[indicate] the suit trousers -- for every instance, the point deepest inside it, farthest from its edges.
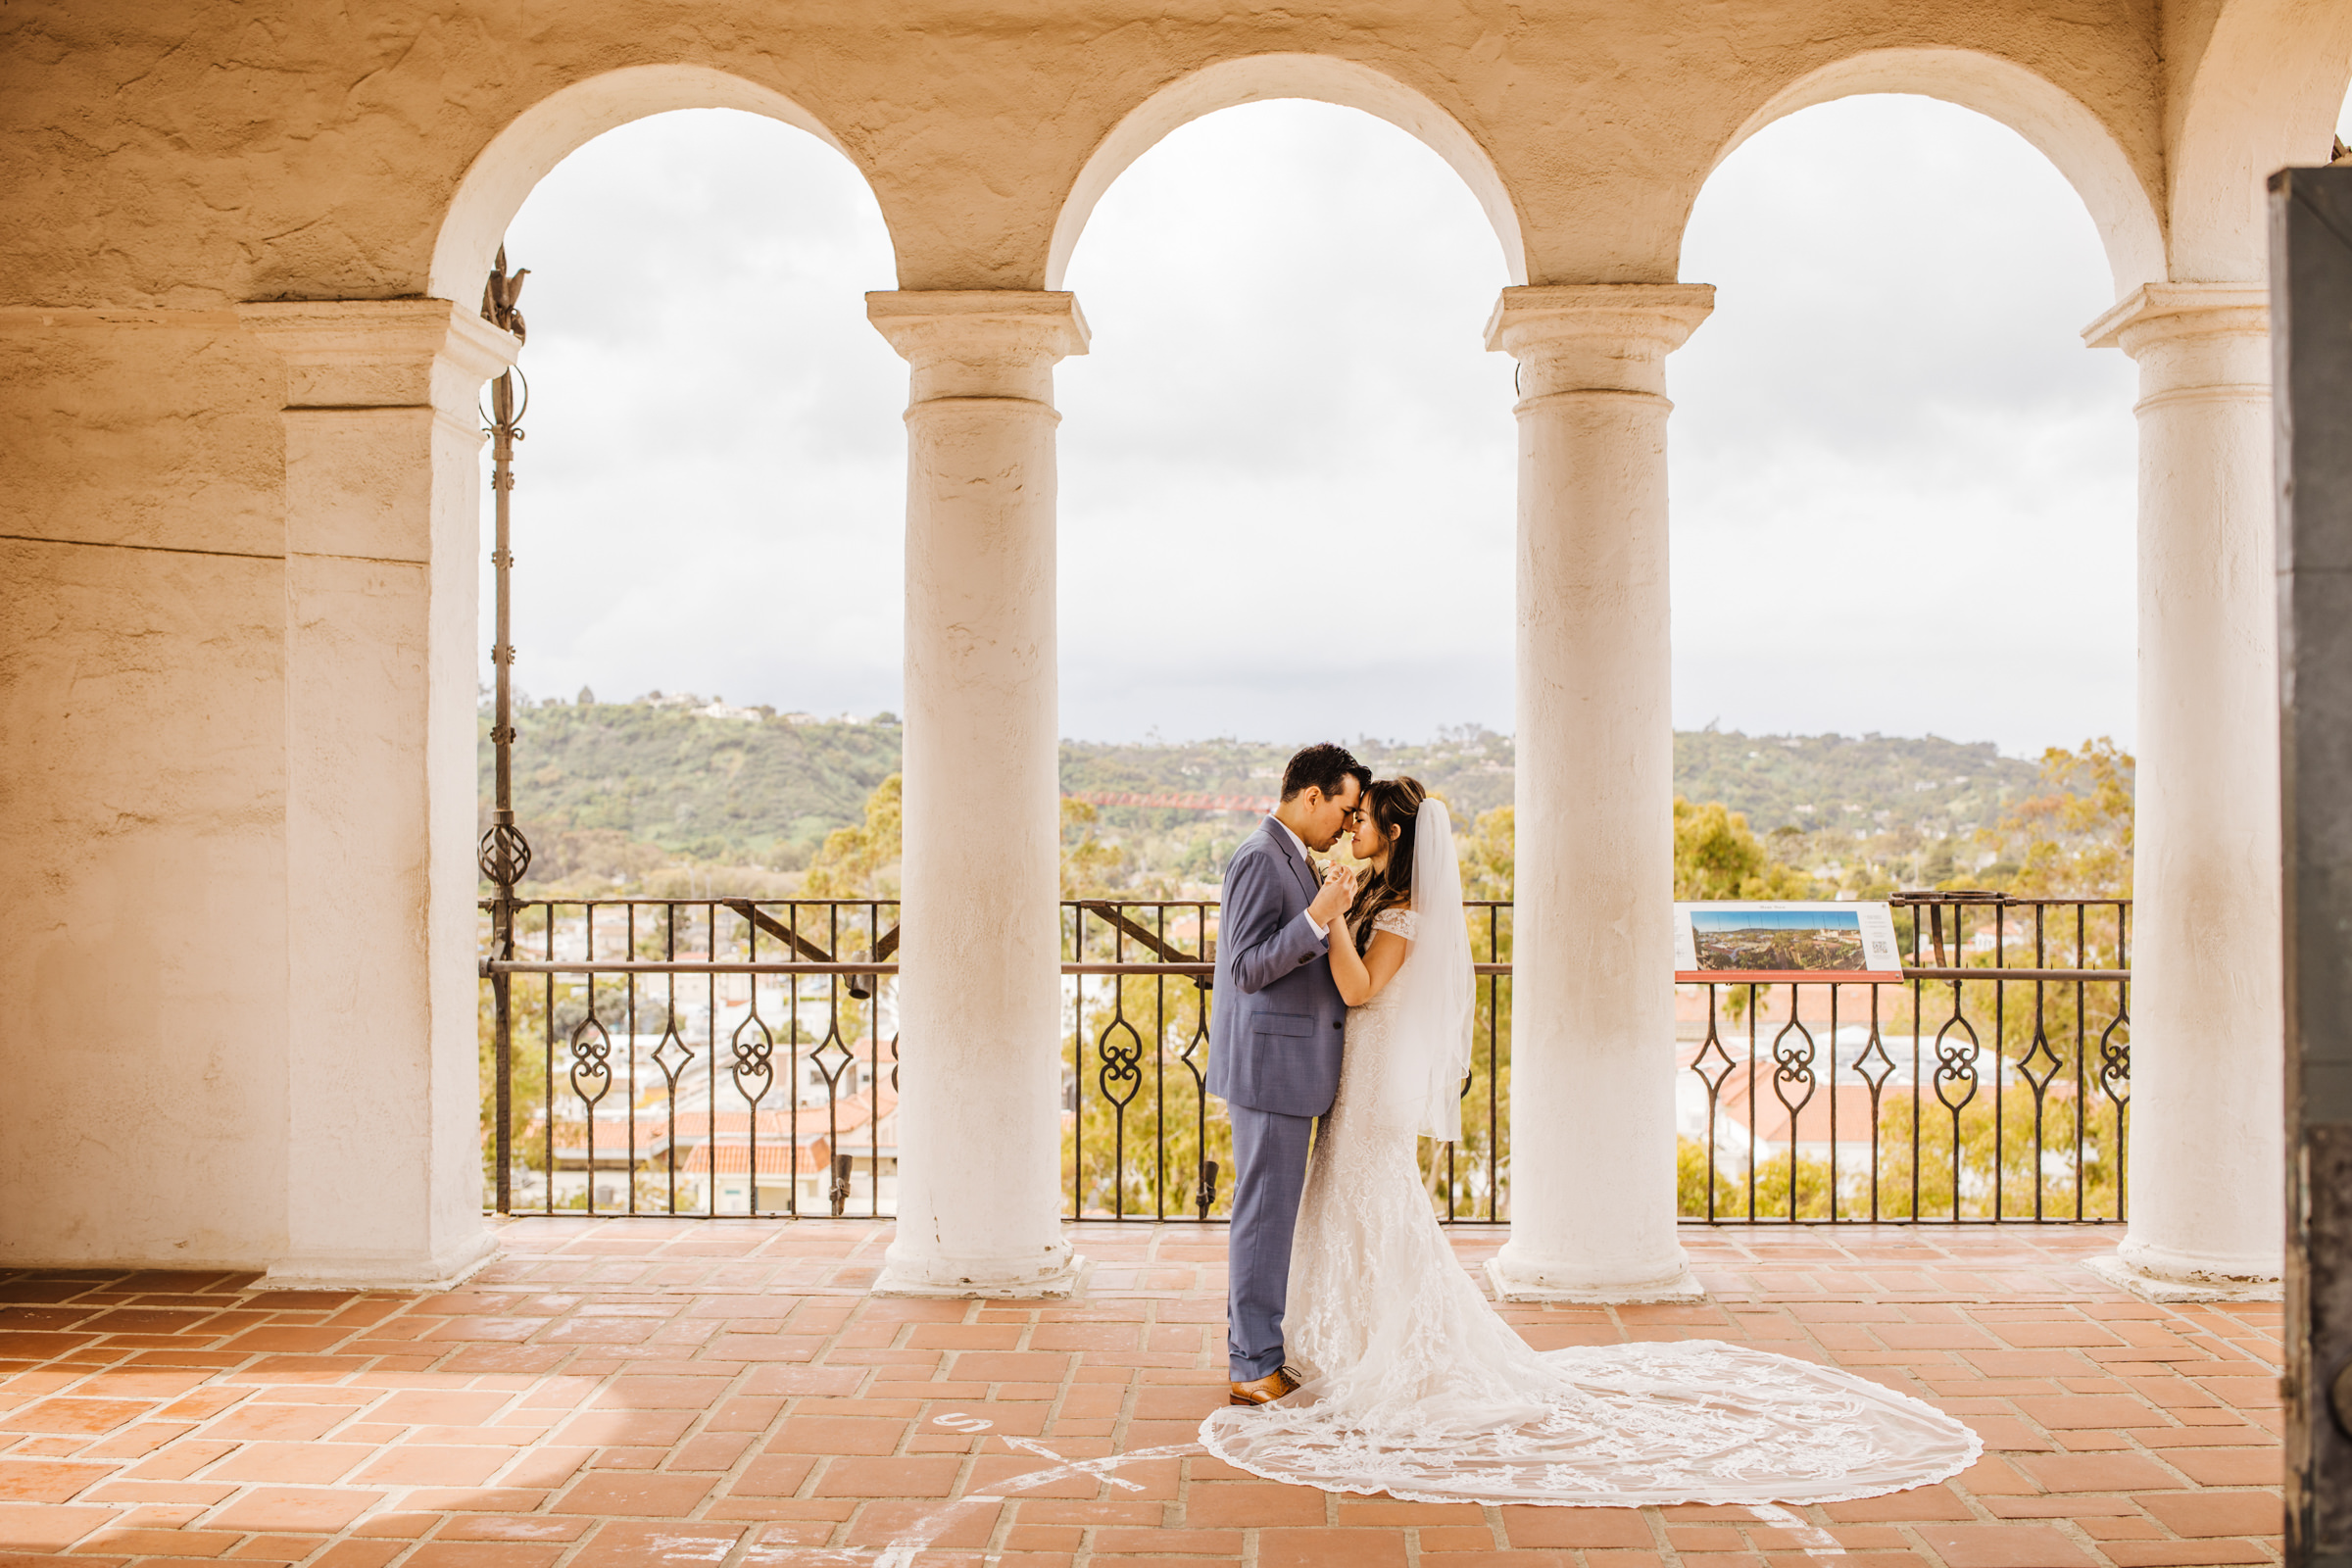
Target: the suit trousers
(1269, 1157)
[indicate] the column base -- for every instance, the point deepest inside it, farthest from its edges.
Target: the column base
(2168, 1280)
(1518, 1282)
(1055, 1281)
(377, 1271)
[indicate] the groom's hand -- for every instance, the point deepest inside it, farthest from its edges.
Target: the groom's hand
(1332, 898)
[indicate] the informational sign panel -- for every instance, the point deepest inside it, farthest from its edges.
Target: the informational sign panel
(1771, 941)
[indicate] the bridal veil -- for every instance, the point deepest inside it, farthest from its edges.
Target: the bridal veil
(1418, 1091)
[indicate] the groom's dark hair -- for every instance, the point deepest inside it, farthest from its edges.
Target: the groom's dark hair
(1323, 765)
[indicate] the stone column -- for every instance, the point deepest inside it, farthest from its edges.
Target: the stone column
(980, 987)
(383, 1159)
(1592, 1150)
(2206, 1139)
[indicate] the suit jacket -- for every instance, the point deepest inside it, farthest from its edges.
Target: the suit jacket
(1276, 1023)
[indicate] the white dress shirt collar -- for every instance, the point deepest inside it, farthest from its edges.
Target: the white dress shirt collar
(1305, 859)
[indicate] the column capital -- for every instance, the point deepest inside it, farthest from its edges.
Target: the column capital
(345, 354)
(1532, 315)
(930, 324)
(2155, 313)
(1596, 337)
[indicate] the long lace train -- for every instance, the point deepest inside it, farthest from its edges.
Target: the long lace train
(1414, 1387)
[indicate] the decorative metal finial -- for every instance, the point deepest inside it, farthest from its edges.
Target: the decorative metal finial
(500, 294)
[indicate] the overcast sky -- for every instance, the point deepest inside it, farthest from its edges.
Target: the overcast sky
(1902, 489)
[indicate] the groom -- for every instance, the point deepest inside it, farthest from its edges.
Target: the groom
(1274, 1039)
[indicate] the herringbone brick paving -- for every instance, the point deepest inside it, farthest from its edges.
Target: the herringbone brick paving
(652, 1391)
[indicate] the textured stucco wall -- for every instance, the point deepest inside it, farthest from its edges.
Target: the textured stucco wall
(201, 154)
(163, 162)
(142, 764)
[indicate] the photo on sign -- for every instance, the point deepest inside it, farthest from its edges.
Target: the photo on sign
(1777, 941)
(1813, 939)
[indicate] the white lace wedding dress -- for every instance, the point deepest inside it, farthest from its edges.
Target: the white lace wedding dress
(1415, 1387)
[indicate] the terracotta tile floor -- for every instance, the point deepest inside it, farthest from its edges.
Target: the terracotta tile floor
(667, 1392)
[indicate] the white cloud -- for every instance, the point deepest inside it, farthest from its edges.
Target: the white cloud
(711, 494)
(1902, 487)
(1287, 465)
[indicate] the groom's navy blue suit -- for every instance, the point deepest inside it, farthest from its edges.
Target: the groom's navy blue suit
(1275, 1033)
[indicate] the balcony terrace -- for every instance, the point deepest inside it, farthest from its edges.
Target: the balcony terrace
(246, 366)
(728, 1392)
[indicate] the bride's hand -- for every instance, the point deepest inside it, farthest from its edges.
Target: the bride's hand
(1332, 900)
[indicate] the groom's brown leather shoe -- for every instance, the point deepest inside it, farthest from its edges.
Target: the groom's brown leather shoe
(1266, 1390)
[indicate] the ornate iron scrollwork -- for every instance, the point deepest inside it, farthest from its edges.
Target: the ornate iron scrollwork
(831, 1066)
(2114, 1061)
(753, 1059)
(2040, 1079)
(503, 854)
(1793, 1065)
(1712, 1078)
(1714, 1081)
(672, 1039)
(1873, 1077)
(591, 1059)
(1956, 1061)
(1204, 1195)
(1121, 1065)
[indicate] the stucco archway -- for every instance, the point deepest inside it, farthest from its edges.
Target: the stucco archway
(543, 135)
(2264, 96)
(383, 621)
(1257, 77)
(2057, 124)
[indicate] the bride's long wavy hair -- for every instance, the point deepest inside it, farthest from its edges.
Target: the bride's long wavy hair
(1394, 805)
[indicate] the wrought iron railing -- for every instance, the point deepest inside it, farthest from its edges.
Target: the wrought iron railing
(1141, 1138)
(1992, 1084)
(699, 1056)
(716, 1057)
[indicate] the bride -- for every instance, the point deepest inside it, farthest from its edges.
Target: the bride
(1411, 1385)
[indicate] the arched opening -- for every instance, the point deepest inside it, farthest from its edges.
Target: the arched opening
(1904, 507)
(1288, 300)
(507, 171)
(1890, 410)
(1285, 516)
(1257, 78)
(712, 480)
(2058, 125)
(708, 531)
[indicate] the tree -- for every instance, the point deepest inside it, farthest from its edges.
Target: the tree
(1730, 1183)
(1717, 857)
(1487, 854)
(2073, 839)
(526, 1065)
(1095, 867)
(861, 861)
(2036, 1139)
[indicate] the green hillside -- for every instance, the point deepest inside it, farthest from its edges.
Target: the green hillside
(613, 791)
(1469, 765)
(1814, 782)
(729, 791)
